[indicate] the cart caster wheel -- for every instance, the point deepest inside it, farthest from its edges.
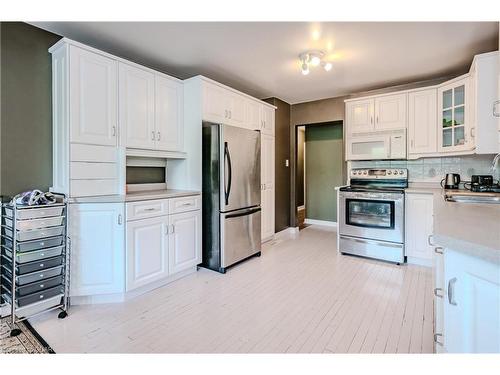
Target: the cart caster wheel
(62, 315)
(258, 254)
(15, 332)
(398, 264)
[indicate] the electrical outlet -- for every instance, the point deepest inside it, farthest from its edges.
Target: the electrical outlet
(287, 164)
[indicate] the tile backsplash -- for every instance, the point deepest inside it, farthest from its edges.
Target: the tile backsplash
(434, 169)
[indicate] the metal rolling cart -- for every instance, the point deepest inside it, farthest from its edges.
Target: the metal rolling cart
(35, 259)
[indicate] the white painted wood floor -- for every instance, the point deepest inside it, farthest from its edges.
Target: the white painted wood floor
(301, 296)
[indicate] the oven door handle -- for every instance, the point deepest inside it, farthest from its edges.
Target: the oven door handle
(372, 242)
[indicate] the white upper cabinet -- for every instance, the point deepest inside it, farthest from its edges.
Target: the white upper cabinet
(422, 122)
(236, 109)
(253, 115)
(267, 120)
(215, 103)
(168, 114)
(453, 116)
(93, 98)
(137, 105)
(390, 112)
(360, 116)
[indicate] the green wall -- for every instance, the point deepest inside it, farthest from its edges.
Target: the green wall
(324, 163)
(26, 107)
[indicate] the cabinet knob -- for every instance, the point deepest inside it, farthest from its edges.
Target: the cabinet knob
(120, 219)
(495, 113)
(436, 292)
(114, 131)
(438, 250)
(436, 336)
(159, 136)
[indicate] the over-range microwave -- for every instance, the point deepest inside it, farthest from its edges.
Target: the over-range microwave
(382, 146)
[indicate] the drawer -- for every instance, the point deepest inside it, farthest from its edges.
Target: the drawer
(40, 296)
(92, 153)
(146, 209)
(93, 171)
(40, 306)
(38, 265)
(33, 287)
(184, 204)
(89, 188)
(36, 223)
(35, 234)
(35, 213)
(34, 245)
(34, 276)
(32, 256)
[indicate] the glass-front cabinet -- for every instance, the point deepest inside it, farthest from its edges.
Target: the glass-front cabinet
(453, 116)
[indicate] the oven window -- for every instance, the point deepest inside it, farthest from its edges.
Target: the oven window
(370, 213)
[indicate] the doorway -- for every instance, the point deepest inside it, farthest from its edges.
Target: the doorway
(319, 159)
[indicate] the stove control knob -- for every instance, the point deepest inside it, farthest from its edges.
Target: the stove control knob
(389, 172)
(365, 172)
(401, 172)
(354, 172)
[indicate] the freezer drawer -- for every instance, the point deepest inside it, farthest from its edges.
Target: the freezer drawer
(240, 235)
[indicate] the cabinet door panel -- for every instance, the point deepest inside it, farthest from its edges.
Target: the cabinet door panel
(422, 125)
(97, 249)
(147, 251)
(253, 115)
(390, 112)
(215, 105)
(419, 225)
(185, 241)
(137, 91)
(168, 114)
(359, 116)
(93, 98)
(267, 181)
(236, 107)
(268, 120)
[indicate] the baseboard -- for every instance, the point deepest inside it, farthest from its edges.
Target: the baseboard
(324, 223)
(287, 232)
(420, 262)
(122, 297)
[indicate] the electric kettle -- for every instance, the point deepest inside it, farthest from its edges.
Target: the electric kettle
(451, 181)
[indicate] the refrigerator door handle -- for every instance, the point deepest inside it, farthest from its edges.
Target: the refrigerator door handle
(245, 213)
(227, 156)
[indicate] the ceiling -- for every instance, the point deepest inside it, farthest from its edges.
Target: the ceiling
(261, 58)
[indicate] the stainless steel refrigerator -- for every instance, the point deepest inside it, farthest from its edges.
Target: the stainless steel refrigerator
(231, 195)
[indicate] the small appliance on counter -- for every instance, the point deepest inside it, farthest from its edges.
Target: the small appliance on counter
(483, 184)
(451, 181)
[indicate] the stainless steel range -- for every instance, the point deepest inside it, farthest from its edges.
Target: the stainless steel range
(371, 214)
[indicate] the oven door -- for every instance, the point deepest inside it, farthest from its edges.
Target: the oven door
(378, 216)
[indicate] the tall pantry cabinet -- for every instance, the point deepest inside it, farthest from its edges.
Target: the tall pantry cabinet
(221, 104)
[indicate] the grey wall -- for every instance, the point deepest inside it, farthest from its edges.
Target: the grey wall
(282, 172)
(301, 139)
(26, 106)
(324, 170)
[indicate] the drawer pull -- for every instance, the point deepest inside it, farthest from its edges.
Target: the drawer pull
(187, 204)
(438, 250)
(451, 291)
(41, 296)
(42, 285)
(41, 264)
(150, 209)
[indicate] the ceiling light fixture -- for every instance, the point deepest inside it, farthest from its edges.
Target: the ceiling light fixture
(313, 58)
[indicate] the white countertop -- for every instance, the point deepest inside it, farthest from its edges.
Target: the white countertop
(136, 196)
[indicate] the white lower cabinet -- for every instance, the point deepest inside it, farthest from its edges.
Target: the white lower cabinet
(419, 224)
(147, 251)
(471, 304)
(97, 248)
(184, 241)
(163, 244)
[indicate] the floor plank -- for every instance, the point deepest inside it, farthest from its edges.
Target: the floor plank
(299, 296)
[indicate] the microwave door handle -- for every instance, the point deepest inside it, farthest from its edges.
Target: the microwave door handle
(227, 156)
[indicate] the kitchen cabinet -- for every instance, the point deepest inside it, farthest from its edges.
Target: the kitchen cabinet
(267, 186)
(454, 132)
(359, 114)
(422, 123)
(223, 106)
(390, 112)
(96, 234)
(471, 303)
(147, 251)
(419, 226)
(267, 120)
(253, 115)
(168, 114)
(137, 106)
(93, 101)
(438, 293)
(380, 113)
(184, 241)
